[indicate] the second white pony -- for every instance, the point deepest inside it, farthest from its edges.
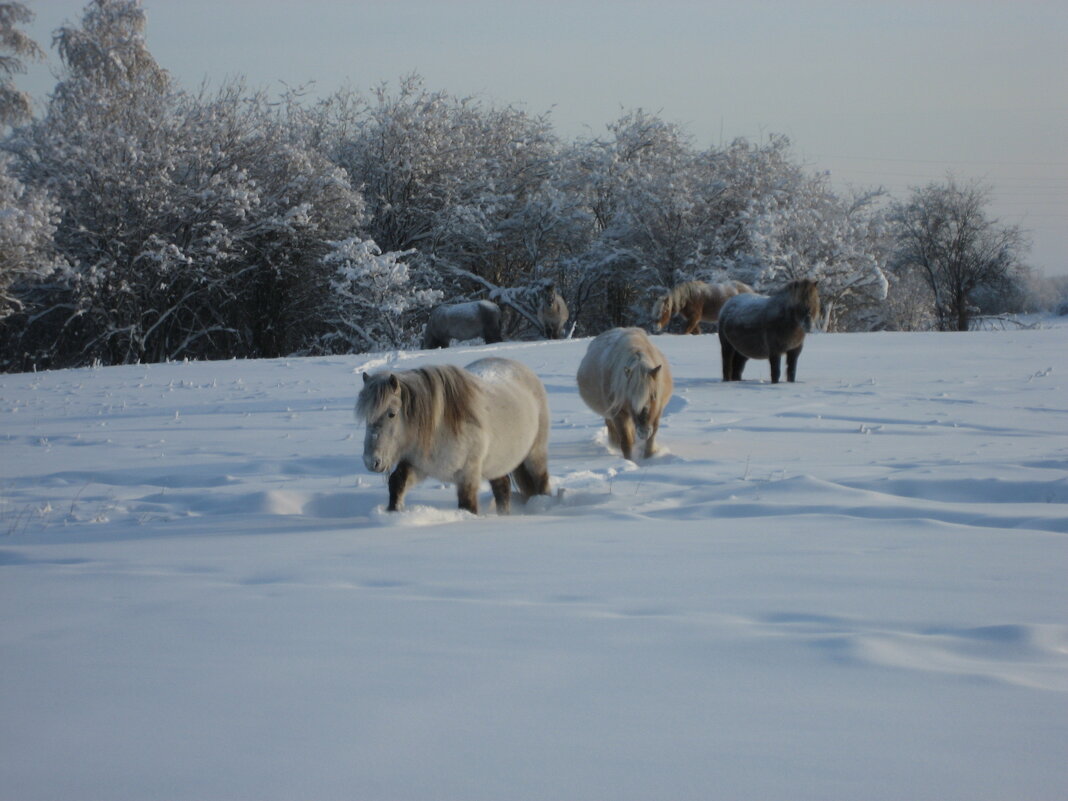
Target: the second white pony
(626, 379)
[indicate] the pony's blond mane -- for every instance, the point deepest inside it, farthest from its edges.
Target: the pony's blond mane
(430, 397)
(630, 380)
(678, 296)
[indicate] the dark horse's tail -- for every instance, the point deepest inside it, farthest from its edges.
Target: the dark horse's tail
(491, 324)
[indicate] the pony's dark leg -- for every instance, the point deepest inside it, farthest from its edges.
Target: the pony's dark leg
(613, 433)
(467, 495)
(776, 366)
(491, 327)
(625, 428)
(726, 351)
(502, 494)
(650, 442)
(791, 363)
(532, 478)
(737, 365)
(693, 320)
(399, 481)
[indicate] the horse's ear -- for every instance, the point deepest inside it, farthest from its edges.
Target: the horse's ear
(655, 371)
(366, 377)
(394, 384)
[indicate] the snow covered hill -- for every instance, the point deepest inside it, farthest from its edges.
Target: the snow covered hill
(851, 587)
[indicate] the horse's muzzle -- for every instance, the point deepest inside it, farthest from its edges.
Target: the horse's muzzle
(375, 464)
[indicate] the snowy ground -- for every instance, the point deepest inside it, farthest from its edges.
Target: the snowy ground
(852, 587)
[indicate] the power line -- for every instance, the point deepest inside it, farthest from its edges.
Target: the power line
(943, 161)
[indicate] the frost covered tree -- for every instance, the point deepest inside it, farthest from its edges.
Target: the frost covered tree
(665, 213)
(192, 224)
(636, 185)
(15, 48)
(374, 296)
(840, 242)
(451, 178)
(945, 233)
(108, 49)
(27, 225)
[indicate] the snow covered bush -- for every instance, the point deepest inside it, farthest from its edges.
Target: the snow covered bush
(459, 182)
(373, 298)
(27, 225)
(664, 213)
(192, 224)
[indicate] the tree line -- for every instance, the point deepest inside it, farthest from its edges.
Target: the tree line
(141, 221)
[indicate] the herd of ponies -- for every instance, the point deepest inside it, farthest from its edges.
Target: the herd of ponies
(490, 419)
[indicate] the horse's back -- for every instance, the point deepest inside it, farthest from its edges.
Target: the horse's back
(507, 374)
(741, 322)
(609, 352)
(476, 318)
(743, 309)
(515, 413)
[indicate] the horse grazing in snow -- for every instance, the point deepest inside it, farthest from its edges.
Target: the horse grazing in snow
(626, 379)
(697, 301)
(766, 327)
(552, 313)
(489, 420)
(477, 318)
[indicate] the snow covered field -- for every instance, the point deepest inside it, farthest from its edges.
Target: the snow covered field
(852, 587)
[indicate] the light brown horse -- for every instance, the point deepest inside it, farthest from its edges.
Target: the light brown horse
(766, 327)
(626, 379)
(552, 313)
(697, 301)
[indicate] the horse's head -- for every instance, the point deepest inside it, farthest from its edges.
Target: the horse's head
(643, 385)
(807, 295)
(381, 408)
(661, 312)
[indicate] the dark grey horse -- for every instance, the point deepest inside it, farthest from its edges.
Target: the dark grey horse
(766, 327)
(478, 318)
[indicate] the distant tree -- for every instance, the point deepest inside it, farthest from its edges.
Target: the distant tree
(108, 49)
(943, 231)
(909, 302)
(840, 242)
(15, 48)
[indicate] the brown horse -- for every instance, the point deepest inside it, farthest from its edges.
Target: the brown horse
(766, 327)
(697, 301)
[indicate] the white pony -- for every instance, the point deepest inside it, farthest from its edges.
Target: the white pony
(627, 380)
(489, 420)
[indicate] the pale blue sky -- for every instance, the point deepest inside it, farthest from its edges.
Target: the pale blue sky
(890, 93)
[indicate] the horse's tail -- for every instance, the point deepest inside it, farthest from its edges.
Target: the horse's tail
(490, 317)
(741, 287)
